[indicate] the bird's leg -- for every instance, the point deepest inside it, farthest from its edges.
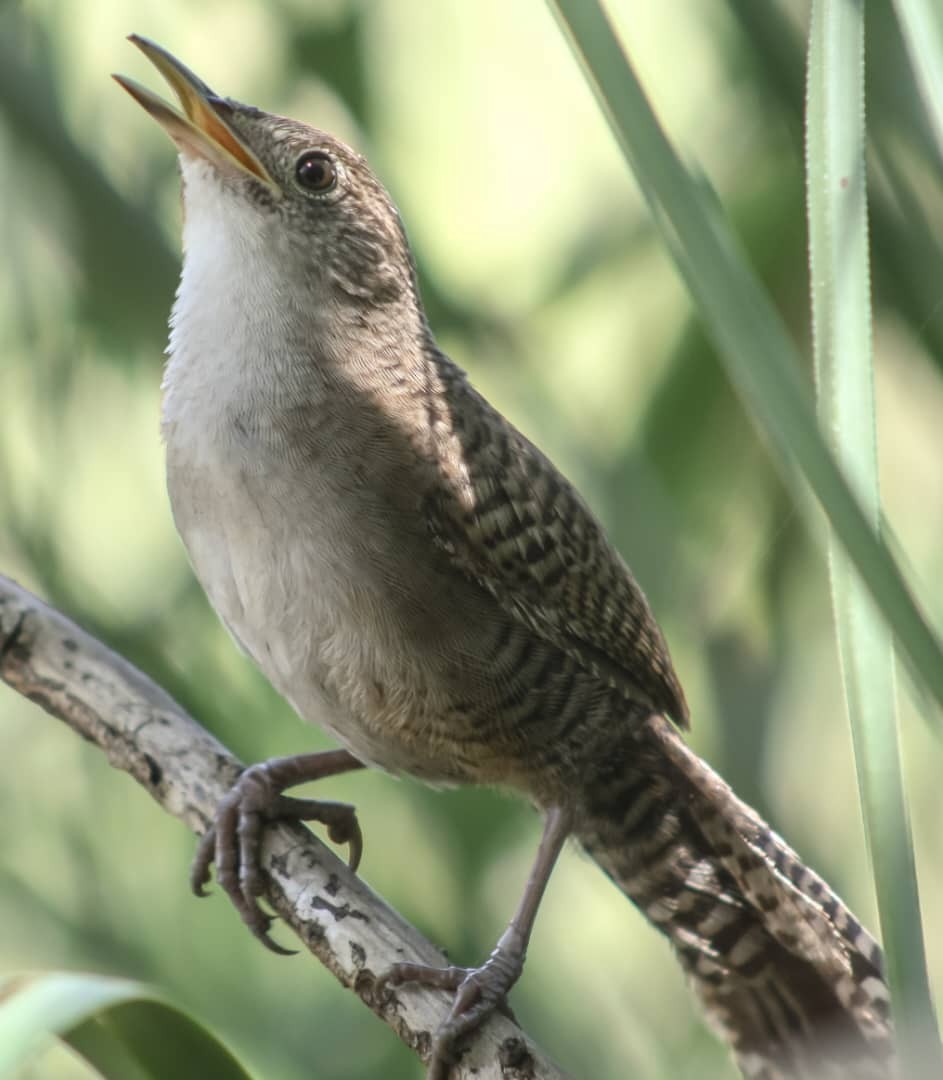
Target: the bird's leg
(234, 839)
(481, 991)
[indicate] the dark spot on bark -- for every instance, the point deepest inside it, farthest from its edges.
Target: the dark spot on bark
(280, 863)
(68, 643)
(882, 1008)
(358, 954)
(314, 934)
(154, 772)
(332, 888)
(339, 911)
(8, 647)
(514, 1055)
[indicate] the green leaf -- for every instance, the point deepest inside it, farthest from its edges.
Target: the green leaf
(921, 22)
(841, 308)
(761, 360)
(124, 1029)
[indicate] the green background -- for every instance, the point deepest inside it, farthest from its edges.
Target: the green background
(544, 280)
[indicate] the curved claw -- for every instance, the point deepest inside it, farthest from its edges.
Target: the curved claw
(478, 993)
(340, 819)
(234, 840)
(351, 835)
(259, 923)
(202, 861)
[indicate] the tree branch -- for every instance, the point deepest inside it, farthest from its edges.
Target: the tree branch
(143, 731)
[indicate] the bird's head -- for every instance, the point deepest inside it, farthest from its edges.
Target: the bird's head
(298, 197)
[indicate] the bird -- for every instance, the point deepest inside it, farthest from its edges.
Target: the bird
(415, 576)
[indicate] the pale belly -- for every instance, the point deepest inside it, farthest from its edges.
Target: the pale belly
(332, 611)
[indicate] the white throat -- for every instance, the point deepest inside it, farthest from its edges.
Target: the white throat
(231, 349)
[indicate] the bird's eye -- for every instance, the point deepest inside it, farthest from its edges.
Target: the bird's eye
(315, 171)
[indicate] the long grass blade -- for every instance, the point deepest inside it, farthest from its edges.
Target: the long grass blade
(841, 309)
(761, 360)
(921, 22)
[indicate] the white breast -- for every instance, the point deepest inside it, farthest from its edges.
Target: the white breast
(284, 558)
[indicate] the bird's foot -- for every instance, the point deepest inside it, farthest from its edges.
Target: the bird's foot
(234, 840)
(479, 992)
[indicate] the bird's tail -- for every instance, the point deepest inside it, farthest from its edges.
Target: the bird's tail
(785, 972)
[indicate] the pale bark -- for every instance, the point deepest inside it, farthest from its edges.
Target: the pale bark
(143, 731)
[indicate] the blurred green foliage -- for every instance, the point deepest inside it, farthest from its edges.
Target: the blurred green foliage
(543, 279)
(119, 1028)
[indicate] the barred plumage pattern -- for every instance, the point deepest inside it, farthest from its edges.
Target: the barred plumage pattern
(413, 574)
(510, 520)
(784, 971)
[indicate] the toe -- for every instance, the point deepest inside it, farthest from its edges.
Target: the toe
(350, 834)
(440, 1061)
(202, 861)
(260, 922)
(447, 978)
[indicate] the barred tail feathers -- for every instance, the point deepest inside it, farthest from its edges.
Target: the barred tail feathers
(784, 971)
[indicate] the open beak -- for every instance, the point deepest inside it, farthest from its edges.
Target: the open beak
(203, 131)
